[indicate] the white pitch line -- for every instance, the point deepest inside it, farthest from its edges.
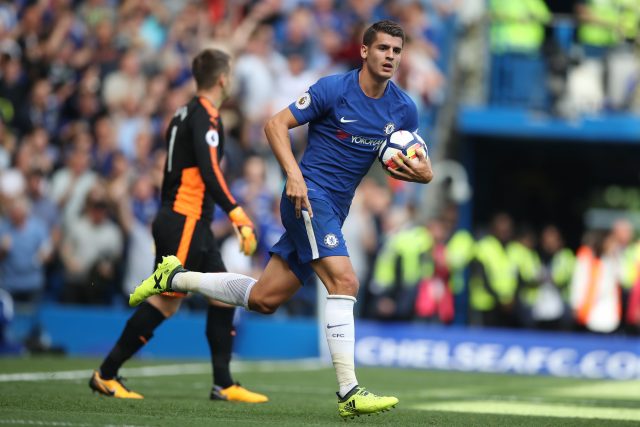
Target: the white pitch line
(57, 423)
(169, 370)
(564, 410)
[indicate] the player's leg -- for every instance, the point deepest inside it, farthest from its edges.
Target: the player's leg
(338, 276)
(219, 326)
(220, 334)
(136, 333)
(170, 232)
(280, 280)
(277, 284)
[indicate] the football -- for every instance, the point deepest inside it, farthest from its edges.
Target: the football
(400, 141)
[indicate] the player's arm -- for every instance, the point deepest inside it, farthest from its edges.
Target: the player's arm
(277, 131)
(206, 141)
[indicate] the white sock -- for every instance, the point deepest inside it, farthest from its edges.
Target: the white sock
(340, 333)
(230, 288)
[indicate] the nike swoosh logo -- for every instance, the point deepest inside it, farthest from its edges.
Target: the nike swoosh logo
(335, 326)
(343, 120)
(106, 389)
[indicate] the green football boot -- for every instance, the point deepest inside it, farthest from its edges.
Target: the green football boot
(362, 402)
(158, 282)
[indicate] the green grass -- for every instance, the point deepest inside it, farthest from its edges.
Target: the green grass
(303, 395)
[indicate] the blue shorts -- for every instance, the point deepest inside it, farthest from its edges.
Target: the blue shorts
(306, 239)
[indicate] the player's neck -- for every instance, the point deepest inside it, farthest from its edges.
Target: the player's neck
(371, 86)
(213, 95)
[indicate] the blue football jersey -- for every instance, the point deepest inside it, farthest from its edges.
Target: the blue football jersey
(346, 128)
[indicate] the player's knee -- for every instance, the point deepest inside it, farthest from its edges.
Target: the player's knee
(263, 305)
(345, 284)
(263, 308)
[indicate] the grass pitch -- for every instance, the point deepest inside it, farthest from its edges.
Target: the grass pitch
(54, 392)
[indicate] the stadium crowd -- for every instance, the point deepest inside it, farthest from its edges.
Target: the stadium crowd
(88, 87)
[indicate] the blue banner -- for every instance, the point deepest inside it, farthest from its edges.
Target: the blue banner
(498, 351)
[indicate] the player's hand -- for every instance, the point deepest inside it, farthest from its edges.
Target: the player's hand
(243, 226)
(413, 170)
(296, 191)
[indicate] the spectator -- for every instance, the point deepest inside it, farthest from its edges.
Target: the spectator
(594, 292)
(493, 281)
(517, 33)
(434, 301)
(399, 269)
(105, 147)
(526, 262)
(43, 155)
(25, 246)
(551, 309)
(625, 253)
(44, 107)
(14, 90)
(142, 208)
(70, 185)
(599, 26)
(471, 46)
(42, 206)
(91, 249)
(105, 50)
(128, 84)
(256, 70)
(12, 181)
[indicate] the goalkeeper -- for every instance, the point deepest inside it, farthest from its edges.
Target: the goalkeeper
(192, 185)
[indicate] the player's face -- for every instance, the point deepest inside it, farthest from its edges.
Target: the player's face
(383, 56)
(225, 85)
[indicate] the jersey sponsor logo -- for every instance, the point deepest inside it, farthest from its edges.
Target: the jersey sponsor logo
(330, 240)
(363, 140)
(304, 101)
(343, 120)
(212, 138)
(389, 128)
(374, 143)
(342, 134)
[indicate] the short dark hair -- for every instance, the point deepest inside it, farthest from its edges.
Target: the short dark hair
(208, 65)
(387, 27)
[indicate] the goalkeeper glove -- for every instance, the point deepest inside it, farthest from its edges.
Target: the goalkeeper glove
(244, 230)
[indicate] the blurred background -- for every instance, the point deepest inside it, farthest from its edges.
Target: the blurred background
(530, 110)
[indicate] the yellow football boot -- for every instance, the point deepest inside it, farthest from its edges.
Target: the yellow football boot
(237, 393)
(159, 282)
(112, 387)
(362, 402)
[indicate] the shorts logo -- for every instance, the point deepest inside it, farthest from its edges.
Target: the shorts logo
(330, 240)
(304, 101)
(389, 128)
(212, 138)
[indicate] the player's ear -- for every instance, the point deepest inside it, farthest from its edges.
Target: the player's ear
(364, 51)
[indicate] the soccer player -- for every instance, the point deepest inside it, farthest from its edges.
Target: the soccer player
(192, 185)
(349, 116)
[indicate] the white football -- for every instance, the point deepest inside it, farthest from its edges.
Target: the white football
(402, 141)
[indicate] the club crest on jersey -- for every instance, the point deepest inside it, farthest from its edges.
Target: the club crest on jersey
(304, 101)
(212, 138)
(330, 240)
(389, 128)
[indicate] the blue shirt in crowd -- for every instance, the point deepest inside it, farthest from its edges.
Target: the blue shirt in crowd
(21, 270)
